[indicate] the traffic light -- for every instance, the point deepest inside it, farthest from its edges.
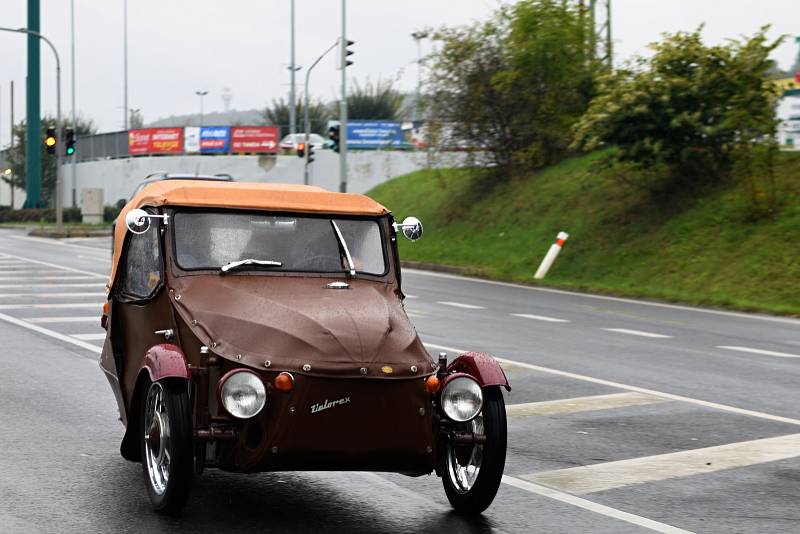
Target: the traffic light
(301, 150)
(333, 135)
(344, 53)
(69, 142)
(310, 154)
(50, 140)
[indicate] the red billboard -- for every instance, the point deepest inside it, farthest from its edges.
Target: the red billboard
(155, 141)
(262, 139)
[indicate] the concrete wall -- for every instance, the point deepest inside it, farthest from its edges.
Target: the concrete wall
(118, 177)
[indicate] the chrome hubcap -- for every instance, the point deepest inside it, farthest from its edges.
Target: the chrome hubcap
(156, 439)
(464, 475)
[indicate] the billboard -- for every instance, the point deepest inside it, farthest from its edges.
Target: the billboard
(374, 134)
(214, 139)
(262, 139)
(191, 139)
(155, 141)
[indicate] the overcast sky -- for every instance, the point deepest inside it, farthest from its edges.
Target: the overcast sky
(179, 46)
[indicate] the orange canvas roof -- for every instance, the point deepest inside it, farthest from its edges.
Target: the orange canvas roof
(241, 195)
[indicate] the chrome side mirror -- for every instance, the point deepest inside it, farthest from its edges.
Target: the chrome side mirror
(411, 227)
(138, 220)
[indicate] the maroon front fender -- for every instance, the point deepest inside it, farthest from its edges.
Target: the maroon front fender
(165, 361)
(483, 367)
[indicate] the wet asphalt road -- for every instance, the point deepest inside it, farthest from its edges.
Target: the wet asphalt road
(675, 418)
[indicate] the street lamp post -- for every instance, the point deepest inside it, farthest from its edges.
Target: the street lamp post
(306, 121)
(74, 128)
(59, 123)
(418, 36)
(343, 106)
(201, 94)
(293, 69)
(125, 62)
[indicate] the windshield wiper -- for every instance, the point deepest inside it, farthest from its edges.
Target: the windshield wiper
(344, 248)
(249, 261)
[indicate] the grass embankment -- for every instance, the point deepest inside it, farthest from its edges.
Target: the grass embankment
(700, 250)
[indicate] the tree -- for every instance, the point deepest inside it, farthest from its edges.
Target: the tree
(16, 156)
(278, 115)
(515, 85)
(687, 109)
(136, 119)
(379, 101)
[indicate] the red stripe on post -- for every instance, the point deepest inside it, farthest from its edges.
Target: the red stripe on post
(560, 242)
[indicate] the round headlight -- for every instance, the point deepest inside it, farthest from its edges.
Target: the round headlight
(243, 394)
(462, 399)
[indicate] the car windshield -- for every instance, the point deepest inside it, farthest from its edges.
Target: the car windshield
(211, 240)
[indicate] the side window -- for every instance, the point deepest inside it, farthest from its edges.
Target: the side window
(141, 274)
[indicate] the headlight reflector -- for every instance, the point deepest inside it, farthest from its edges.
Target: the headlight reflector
(462, 399)
(243, 394)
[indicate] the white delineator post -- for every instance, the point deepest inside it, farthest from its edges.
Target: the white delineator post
(551, 255)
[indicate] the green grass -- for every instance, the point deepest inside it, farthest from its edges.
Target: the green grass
(700, 250)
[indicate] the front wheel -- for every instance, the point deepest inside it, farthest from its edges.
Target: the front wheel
(166, 444)
(472, 473)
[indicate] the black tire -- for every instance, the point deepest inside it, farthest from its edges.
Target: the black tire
(166, 444)
(481, 493)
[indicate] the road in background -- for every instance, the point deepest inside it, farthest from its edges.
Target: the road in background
(624, 416)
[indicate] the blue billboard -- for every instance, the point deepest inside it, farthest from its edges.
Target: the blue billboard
(214, 139)
(374, 134)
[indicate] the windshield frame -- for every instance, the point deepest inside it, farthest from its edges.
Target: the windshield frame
(179, 270)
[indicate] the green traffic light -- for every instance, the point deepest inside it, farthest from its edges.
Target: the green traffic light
(70, 151)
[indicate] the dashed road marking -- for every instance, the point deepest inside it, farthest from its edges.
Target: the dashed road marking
(597, 508)
(95, 305)
(89, 337)
(610, 475)
(412, 297)
(61, 268)
(51, 295)
(760, 351)
(50, 285)
(462, 305)
(636, 333)
(583, 404)
(44, 320)
(619, 385)
(540, 318)
(51, 333)
(22, 279)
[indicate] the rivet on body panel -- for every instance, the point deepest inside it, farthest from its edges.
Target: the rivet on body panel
(178, 296)
(213, 344)
(194, 322)
(267, 363)
(238, 356)
(306, 367)
(429, 449)
(414, 369)
(422, 411)
(291, 410)
(275, 450)
(363, 370)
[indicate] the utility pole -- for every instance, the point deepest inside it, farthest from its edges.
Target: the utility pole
(201, 94)
(306, 121)
(418, 37)
(293, 70)
(125, 62)
(33, 157)
(74, 127)
(343, 106)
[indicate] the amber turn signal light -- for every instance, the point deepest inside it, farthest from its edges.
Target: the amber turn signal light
(432, 384)
(284, 382)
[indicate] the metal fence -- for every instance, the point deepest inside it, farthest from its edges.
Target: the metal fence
(102, 146)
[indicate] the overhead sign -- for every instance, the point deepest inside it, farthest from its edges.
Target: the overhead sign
(214, 139)
(260, 139)
(155, 141)
(374, 134)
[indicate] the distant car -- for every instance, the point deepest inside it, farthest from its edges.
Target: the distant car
(291, 141)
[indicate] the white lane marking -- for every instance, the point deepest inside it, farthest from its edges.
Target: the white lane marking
(414, 315)
(96, 305)
(583, 404)
(540, 318)
(51, 333)
(462, 305)
(51, 295)
(412, 297)
(785, 320)
(760, 351)
(623, 473)
(49, 241)
(636, 333)
(618, 385)
(50, 285)
(89, 337)
(592, 506)
(28, 271)
(61, 267)
(38, 278)
(44, 320)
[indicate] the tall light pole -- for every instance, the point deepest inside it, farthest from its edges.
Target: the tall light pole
(343, 105)
(418, 37)
(59, 123)
(293, 70)
(201, 94)
(125, 62)
(72, 67)
(306, 121)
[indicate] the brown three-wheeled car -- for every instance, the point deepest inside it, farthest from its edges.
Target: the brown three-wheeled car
(256, 327)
